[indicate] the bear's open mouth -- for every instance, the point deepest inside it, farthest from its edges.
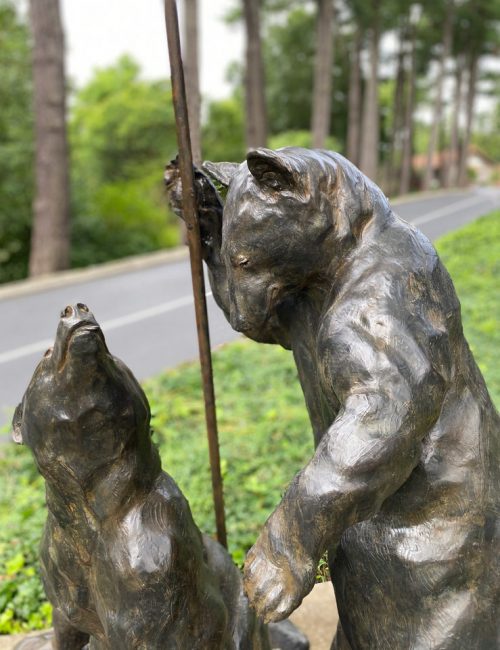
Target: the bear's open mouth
(80, 329)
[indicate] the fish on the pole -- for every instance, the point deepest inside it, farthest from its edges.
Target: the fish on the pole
(190, 215)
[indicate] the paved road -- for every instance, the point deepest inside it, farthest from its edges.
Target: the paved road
(147, 315)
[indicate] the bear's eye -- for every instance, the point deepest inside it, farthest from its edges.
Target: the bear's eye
(242, 261)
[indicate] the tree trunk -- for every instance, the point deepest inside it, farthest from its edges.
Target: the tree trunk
(354, 100)
(438, 101)
(192, 75)
(469, 116)
(451, 169)
(395, 145)
(322, 93)
(256, 119)
(50, 233)
(406, 161)
(370, 129)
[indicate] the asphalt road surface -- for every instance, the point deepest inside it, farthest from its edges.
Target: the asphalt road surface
(147, 315)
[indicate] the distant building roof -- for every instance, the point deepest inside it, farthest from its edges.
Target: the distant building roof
(439, 158)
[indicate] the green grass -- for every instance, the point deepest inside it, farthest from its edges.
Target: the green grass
(264, 431)
(472, 257)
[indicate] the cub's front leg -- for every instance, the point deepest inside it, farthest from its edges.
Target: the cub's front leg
(388, 403)
(278, 574)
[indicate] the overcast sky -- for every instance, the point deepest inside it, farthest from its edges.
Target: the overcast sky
(99, 31)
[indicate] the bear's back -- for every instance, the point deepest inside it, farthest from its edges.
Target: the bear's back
(397, 289)
(431, 551)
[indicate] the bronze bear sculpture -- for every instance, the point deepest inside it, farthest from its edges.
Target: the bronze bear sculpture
(122, 560)
(403, 488)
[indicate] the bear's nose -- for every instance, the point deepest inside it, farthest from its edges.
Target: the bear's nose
(80, 310)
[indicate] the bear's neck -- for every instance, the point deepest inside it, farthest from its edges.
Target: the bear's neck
(113, 489)
(302, 317)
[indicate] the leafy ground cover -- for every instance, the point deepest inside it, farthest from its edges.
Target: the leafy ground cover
(264, 431)
(472, 257)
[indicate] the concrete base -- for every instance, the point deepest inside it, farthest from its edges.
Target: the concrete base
(31, 641)
(317, 617)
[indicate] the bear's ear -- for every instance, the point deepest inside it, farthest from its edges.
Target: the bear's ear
(269, 168)
(223, 172)
(17, 421)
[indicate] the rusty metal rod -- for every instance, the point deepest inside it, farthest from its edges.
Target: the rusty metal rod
(190, 214)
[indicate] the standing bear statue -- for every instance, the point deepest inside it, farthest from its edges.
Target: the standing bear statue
(403, 487)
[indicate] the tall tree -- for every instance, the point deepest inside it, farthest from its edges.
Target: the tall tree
(289, 59)
(322, 92)
(191, 70)
(450, 177)
(472, 70)
(370, 122)
(408, 127)
(480, 20)
(255, 102)
(354, 98)
(50, 235)
(396, 141)
(438, 100)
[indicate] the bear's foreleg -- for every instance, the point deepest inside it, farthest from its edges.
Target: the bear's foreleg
(365, 456)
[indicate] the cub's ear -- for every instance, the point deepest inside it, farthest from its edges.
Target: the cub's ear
(271, 169)
(223, 172)
(17, 421)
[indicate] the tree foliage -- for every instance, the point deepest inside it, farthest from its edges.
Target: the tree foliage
(224, 134)
(289, 58)
(121, 133)
(122, 126)
(16, 144)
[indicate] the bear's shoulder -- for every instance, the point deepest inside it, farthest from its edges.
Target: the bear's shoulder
(154, 530)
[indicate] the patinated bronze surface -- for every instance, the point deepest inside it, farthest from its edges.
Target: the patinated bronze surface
(123, 562)
(403, 488)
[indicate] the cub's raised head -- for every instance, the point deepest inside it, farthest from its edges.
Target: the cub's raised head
(82, 407)
(289, 215)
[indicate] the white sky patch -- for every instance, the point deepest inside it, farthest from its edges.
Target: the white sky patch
(98, 32)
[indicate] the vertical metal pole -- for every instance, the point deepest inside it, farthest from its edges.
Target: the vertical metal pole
(193, 235)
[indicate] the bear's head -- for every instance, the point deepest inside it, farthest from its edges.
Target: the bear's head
(290, 217)
(83, 409)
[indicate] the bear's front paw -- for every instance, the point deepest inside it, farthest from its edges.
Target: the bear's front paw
(274, 588)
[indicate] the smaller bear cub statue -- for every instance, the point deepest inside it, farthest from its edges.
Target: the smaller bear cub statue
(123, 563)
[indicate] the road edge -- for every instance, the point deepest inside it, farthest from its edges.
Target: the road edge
(139, 262)
(95, 272)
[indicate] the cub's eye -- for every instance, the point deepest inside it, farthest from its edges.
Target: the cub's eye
(241, 261)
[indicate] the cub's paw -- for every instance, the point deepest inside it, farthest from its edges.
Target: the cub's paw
(173, 185)
(275, 588)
